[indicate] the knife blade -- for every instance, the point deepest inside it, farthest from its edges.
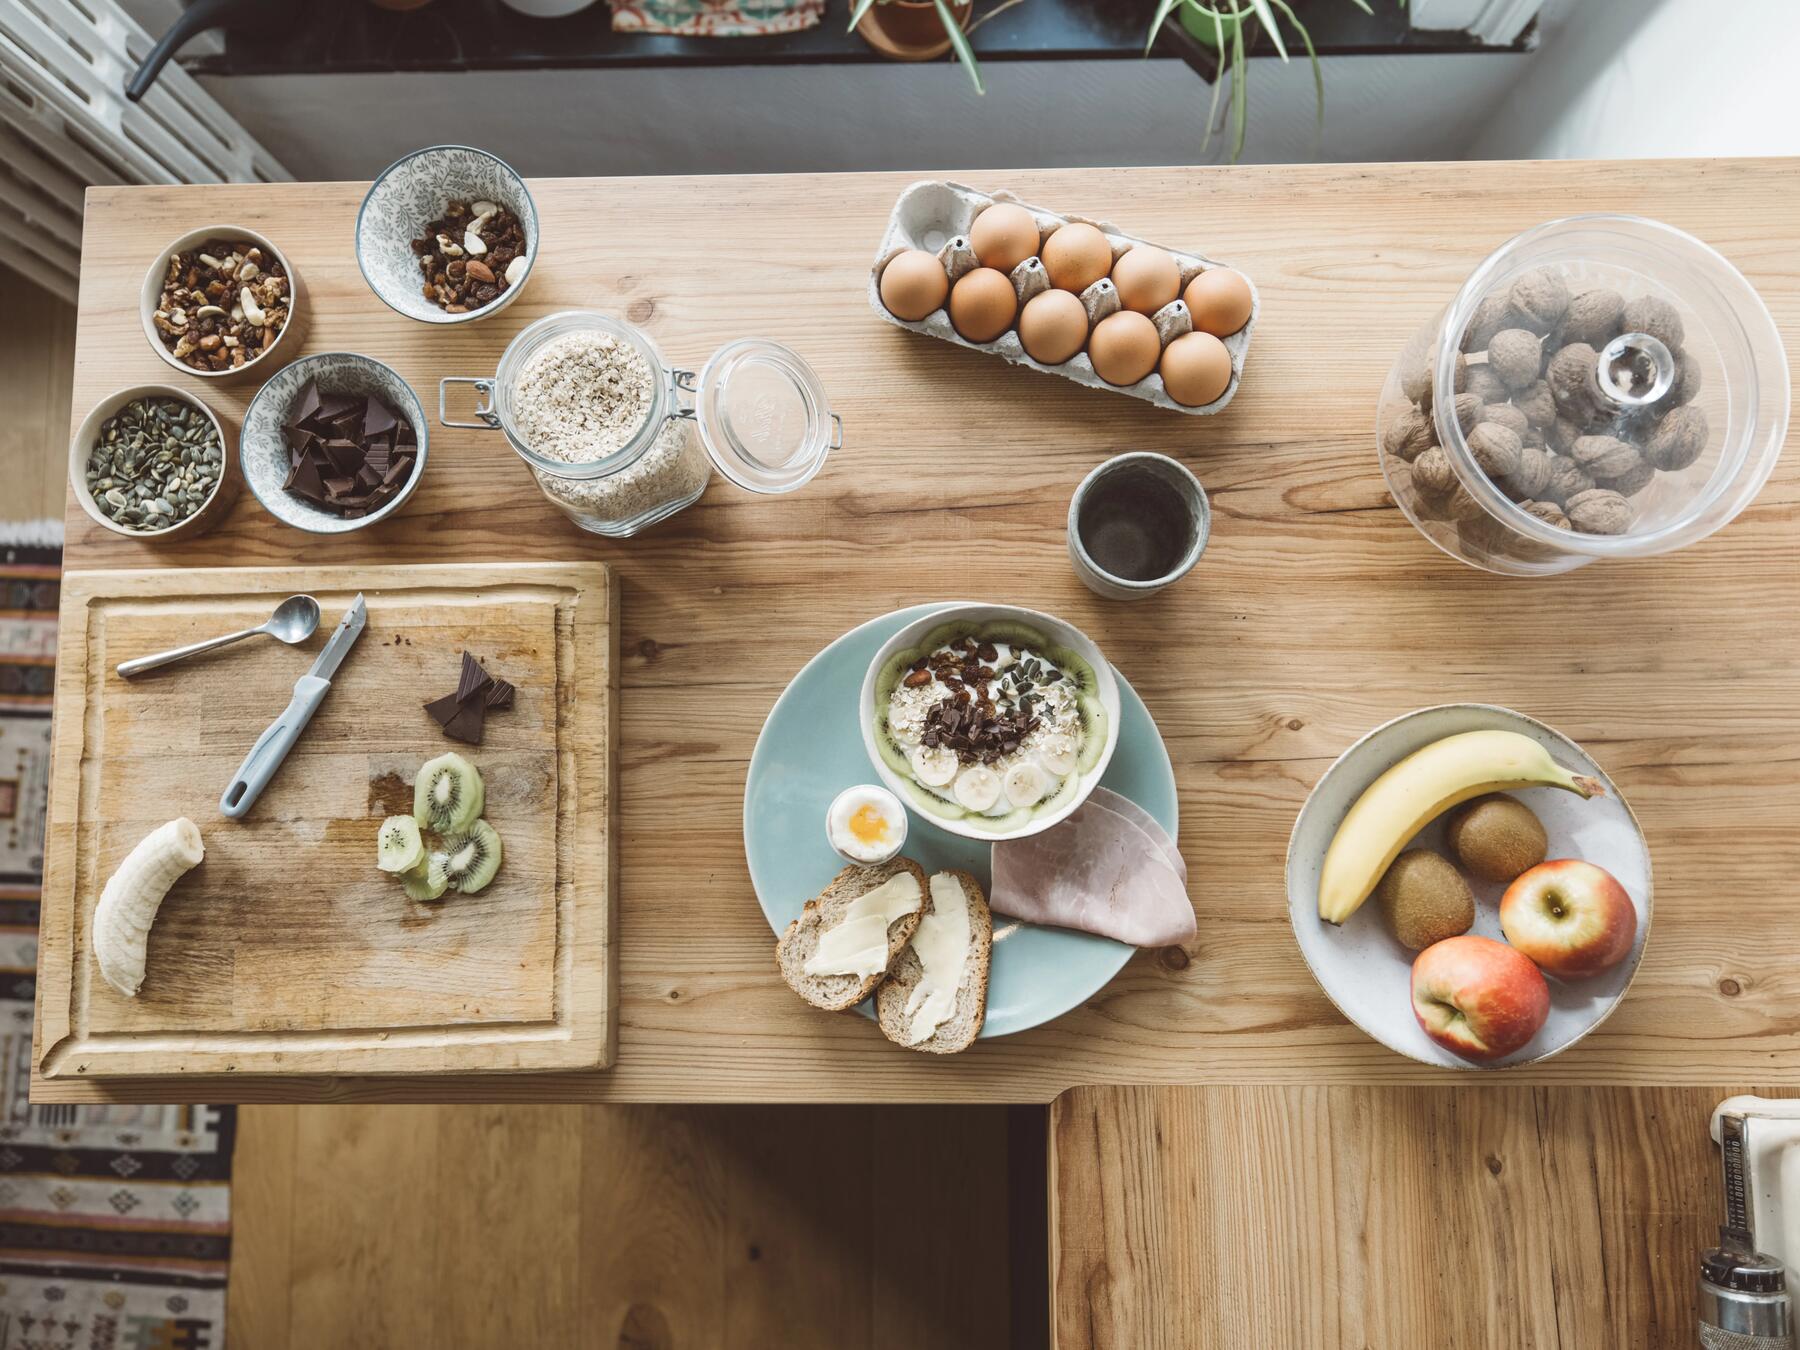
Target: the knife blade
(272, 746)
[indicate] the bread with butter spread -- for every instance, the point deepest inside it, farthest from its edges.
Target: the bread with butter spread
(959, 1028)
(800, 943)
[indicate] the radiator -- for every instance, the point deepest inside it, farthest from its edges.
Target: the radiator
(65, 124)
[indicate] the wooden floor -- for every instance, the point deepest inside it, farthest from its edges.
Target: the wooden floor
(642, 1228)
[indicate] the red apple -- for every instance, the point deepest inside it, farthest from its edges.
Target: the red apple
(1569, 916)
(1478, 998)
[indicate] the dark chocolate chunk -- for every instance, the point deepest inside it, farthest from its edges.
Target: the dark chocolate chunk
(499, 694)
(467, 725)
(472, 681)
(343, 451)
(443, 709)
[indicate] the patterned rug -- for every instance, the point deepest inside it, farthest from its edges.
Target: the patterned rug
(115, 1221)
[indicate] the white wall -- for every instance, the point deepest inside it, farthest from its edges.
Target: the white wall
(1627, 79)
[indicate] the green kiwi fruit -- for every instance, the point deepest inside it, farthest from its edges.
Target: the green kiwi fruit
(428, 880)
(932, 804)
(471, 859)
(448, 796)
(1014, 635)
(941, 635)
(1012, 820)
(1425, 899)
(1077, 671)
(398, 845)
(1497, 837)
(1063, 795)
(1093, 732)
(896, 666)
(889, 749)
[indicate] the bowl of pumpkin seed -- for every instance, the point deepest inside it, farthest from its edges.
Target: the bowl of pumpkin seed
(149, 462)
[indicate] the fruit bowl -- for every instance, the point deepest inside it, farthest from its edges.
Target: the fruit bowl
(1361, 965)
(1104, 695)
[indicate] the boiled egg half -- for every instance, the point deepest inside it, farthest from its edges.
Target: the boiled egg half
(866, 824)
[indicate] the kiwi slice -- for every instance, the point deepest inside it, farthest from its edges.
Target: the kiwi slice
(889, 749)
(428, 880)
(932, 804)
(448, 796)
(1093, 732)
(471, 859)
(1012, 820)
(896, 666)
(1077, 671)
(398, 846)
(942, 635)
(1060, 798)
(1014, 635)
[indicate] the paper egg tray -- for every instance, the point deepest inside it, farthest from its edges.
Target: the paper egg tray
(933, 213)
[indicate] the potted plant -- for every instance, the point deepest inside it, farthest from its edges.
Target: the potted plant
(1221, 25)
(918, 30)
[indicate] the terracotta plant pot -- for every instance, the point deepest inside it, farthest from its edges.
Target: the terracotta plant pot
(910, 30)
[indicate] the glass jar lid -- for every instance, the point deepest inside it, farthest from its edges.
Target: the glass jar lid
(763, 416)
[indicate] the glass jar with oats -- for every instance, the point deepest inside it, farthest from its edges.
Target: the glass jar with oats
(619, 440)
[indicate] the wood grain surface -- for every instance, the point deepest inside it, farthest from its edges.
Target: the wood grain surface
(1317, 612)
(37, 368)
(287, 950)
(641, 1228)
(1338, 1218)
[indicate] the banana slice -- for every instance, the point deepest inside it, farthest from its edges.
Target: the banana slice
(933, 766)
(1025, 784)
(977, 787)
(1059, 759)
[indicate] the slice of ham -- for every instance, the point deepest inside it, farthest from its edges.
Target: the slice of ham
(1146, 822)
(1100, 871)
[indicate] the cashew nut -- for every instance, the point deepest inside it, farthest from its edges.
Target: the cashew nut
(474, 242)
(515, 270)
(211, 261)
(448, 248)
(253, 312)
(204, 310)
(483, 208)
(249, 272)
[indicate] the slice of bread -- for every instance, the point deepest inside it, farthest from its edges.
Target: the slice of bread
(834, 993)
(959, 1030)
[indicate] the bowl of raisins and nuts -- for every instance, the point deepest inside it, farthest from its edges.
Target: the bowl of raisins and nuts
(220, 301)
(447, 235)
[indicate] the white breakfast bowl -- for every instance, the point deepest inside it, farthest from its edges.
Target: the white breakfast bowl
(411, 192)
(975, 615)
(1361, 965)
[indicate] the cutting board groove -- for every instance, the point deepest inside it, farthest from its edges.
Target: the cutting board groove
(287, 951)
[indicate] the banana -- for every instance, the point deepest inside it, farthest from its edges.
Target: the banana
(1428, 782)
(132, 896)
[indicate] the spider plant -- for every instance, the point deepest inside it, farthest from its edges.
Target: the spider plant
(1231, 45)
(959, 41)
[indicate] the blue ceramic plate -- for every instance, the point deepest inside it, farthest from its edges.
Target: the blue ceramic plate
(811, 749)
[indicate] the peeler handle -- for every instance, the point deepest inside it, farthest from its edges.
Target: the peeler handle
(272, 747)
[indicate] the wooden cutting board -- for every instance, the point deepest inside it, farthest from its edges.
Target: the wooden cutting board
(287, 950)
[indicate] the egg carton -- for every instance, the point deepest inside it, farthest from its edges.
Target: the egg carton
(935, 215)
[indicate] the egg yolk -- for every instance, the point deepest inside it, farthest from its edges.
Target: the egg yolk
(869, 825)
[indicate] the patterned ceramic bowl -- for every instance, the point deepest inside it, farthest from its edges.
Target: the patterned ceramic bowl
(409, 194)
(262, 446)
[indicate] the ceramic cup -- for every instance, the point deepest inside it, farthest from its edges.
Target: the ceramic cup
(1137, 523)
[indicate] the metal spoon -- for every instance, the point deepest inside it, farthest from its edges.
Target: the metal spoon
(295, 619)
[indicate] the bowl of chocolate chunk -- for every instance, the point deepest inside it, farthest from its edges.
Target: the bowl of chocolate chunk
(447, 235)
(221, 302)
(333, 442)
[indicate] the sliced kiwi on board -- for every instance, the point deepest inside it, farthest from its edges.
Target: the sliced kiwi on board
(1012, 820)
(471, 859)
(448, 796)
(1077, 671)
(399, 846)
(889, 749)
(1093, 732)
(932, 804)
(428, 880)
(1014, 635)
(896, 666)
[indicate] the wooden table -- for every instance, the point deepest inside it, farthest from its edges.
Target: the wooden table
(1344, 1217)
(1317, 612)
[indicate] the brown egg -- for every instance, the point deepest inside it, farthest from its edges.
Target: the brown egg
(1124, 347)
(1076, 256)
(1004, 235)
(913, 284)
(1219, 300)
(982, 304)
(1053, 326)
(1147, 278)
(1195, 369)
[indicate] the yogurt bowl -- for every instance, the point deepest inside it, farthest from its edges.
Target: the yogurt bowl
(989, 721)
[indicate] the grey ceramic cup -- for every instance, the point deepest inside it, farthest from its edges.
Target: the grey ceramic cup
(1157, 474)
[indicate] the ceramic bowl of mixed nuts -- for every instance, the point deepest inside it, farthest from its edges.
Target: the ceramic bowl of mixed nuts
(149, 462)
(220, 302)
(447, 235)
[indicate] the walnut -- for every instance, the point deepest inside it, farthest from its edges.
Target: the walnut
(1504, 414)
(1631, 482)
(1594, 318)
(1531, 477)
(1606, 456)
(1407, 434)
(1548, 512)
(1561, 435)
(1491, 315)
(1566, 479)
(1468, 411)
(1537, 404)
(1539, 299)
(1461, 506)
(1432, 473)
(1459, 377)
(1653, 315)
(1599, 511)
(1486, 385)
(1685, 385)
(1514, 355)
(1415, 374)
(1496, 449)
(1571, 379)
(1678, 439)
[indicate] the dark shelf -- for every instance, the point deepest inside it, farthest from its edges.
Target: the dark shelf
(345, 36)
